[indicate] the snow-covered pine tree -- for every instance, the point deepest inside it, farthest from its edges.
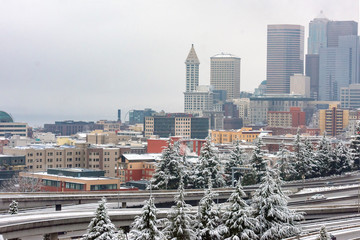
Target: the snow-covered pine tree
(239, 224)
(145, 226)
(167, 170)
(208, 225)
(208, 168)
(180, 221)
(100, 227)
(323, 234)
(236, 159)
(121, 235)
(354, 148)
(187, 171)
(322, 156)
(343, 163)
(276, 220)
(302, 165)
(13, 207)
(284, 163)
(309, 157)
(257, 160)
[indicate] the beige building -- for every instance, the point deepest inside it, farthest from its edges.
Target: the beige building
(279, 119)
(300, 84)
(110, 126)
(14, 128)
(243, 105)
(230, 136)
(42, 157)
(225, 74)
(333, 120)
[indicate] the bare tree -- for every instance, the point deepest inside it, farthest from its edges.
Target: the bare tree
(22, 184)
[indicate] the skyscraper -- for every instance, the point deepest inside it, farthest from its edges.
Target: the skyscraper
(335, 29)
(192, 70)
(339, 66)
(312, 71)
(225, 74)
(285, 56)
(317, 34)
(196, 98)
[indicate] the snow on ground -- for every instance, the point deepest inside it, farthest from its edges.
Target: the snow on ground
(321, 189)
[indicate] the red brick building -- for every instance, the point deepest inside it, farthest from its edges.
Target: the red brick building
(186, 145)
(294, 118)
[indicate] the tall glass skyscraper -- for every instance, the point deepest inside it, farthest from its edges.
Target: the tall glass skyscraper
(335, 29)
(317, 34)
(285, 56)
(339, 67)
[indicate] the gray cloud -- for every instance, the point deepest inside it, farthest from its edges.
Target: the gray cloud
(84, 59)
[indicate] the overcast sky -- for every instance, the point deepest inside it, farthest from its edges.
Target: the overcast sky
(84, 59)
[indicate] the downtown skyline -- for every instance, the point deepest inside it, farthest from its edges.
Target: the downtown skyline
(83, 61)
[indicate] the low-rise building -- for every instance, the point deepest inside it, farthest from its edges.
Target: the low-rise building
(74, 179)
(350, 96)
(243, 134)
(293, 118)
(110, 126)
(8, 129)
(261, 105)
(178, 124)
(187, 146)
(138, 166)
(67, 128)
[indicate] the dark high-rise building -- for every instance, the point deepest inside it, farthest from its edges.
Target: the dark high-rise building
(312, 71)
(119, 115)
(335, 29)
(285, 56)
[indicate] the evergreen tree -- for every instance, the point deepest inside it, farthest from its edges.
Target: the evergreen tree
(180, 221)
(284, 164)
(13, 207)
(355, 147)
(167, 170)
(236, 159)
(323, 234)
(238, 221)
(309, 156)
(187, 172)
(121, 235)
(145, 226)
(323, 156)
(257, 161)
(100, 227)
(343, 159)
(275, 219)
(209, 167)
(301, 162)
(208, 226)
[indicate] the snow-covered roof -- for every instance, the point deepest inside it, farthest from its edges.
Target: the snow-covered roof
(134, 157)
(43, 146)
(74, 178)
(224, 55)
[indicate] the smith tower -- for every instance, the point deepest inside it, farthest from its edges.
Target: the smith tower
(192, 70)
(196, 98)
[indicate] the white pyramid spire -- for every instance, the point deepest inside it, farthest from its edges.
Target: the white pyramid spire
(192, 57)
